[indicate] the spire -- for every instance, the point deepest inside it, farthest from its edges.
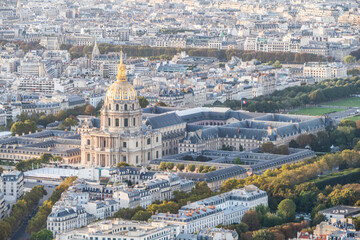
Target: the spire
(96, 51)
(121, 74)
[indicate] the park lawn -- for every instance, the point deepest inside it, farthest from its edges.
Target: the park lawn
(316, 111)
(354, 118)
(346, 102)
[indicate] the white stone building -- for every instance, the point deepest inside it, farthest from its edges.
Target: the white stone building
(12, 185)
(226, 208)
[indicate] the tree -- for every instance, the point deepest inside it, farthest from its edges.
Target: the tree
(143, 102)
(317, 96)
(23, 127)
(190, 167)
(162, 166)
(69, 122)
(268, 147)
(180, 166)
(99, 106)
(287, 209)
(164, 207)
(169, 165)
(43, 235)
(122, 164)
(277, 64)
(319, 217)
(46, 157)
(5, 230)
(90, 110)
(251, 218)
(238, 161)
(61, 115)
(161, 104)
(262, 235)
(349, 59)
(141, 216)
(282, 149)
(293, 144)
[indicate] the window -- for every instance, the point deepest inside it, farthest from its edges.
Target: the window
(88, 142)
(148, 155)
(133, 107)
(148, 141)
(137, 159)
(116, 122)
(117, 107)
(126, 122)
(124, 159)
(134, 122)
(125, 107)
(124, 144)
(137, 144)
(88, 157)
(104, 143)
(157, 139)
(109, 122)
(157, 154)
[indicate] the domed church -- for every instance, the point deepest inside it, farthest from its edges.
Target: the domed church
(122, 136)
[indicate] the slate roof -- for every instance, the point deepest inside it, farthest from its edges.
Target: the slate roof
(224, 173)
(164, 120)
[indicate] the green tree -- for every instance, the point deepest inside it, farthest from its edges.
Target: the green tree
(180, 166)
(69, 122)
(349, 59)
(164, 207)
(122, 164)
(143, 102)
(99, 106)
(23, 127)
(162, 166)
(61, 115)
(287, 209)
(5, 230)
(238, 161)
(170, 165)
(319, 217)
(190, 167)
(43, 235)
(141, 216)
(262, 235)
(277, 64)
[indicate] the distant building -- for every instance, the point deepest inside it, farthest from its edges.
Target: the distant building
(118, 229)
(341, 212)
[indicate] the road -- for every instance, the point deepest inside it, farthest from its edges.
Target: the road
(49, 187)
(338, 116)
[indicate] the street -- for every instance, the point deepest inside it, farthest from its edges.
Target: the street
(49, 187)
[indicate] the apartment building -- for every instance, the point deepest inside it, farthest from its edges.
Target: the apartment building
(226, 209)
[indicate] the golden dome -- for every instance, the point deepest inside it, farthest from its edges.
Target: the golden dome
(121, 90)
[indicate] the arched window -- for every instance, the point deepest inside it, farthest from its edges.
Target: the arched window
(117, 107)
(125, 107)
